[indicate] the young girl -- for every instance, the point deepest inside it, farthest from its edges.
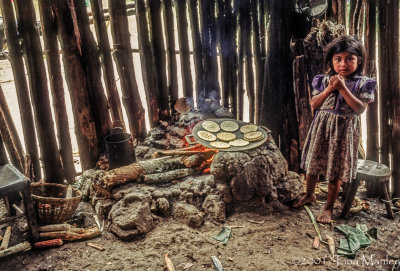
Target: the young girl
(332, 141)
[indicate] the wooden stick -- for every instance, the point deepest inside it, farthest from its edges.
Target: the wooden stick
(48, 243)
(96, 246)
(6, 239)
(169, 263)
(55, 227)
(73, 235)
(25, 246)
(256, 222)
(17, 209)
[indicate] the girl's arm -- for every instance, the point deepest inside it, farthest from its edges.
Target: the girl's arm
(356, 104)
(319, 99)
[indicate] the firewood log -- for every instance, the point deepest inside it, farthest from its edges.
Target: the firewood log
(48, 243)
(25, 246)
(55, 227)
(6, 239)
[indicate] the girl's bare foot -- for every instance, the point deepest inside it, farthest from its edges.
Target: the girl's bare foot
(304, 200)
(325, 217)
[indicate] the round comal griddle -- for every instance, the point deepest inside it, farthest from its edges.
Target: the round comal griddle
(239, 135)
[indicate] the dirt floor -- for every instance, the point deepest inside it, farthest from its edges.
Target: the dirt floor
(278, 241)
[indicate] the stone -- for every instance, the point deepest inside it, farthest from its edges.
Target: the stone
(188, 214)
(162, 206)
(214, 208)
(289, 187)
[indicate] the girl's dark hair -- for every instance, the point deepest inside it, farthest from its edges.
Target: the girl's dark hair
(341, 44)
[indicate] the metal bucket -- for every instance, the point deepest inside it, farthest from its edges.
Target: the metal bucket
(119, 150)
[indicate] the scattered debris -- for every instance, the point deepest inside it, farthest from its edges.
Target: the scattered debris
(315, 244)
(169, 264)
(331, 245)
(356, 238)
(217, 263)
(96, 246)
(25, 246)
(314, 223)
(255, 222)
(224, 235)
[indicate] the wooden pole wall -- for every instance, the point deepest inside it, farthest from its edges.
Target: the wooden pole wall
(372, 111)
(32, 51)
(51, 50)
(21, 86)
(107, 63)
(3, 154)
(85, 129)
(170, 41)
(124, 62)
(148, 65)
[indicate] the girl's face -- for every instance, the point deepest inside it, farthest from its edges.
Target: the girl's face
(345, 63)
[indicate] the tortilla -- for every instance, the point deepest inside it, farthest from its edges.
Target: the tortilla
(225, 136)
(254, 136)
(206, 135)
(247, 128)
(219, 145)
(229, 126)
(210, 126)
(239, 142)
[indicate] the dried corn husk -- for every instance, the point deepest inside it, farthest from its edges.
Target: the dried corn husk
(331, 245)
(169, 264)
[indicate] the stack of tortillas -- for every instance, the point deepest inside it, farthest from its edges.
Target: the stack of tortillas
(254, 136)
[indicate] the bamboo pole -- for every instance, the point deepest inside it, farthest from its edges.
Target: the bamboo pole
(182, 25)
(257, 45)
(249, 63)
(171, 55)
(241, 54)
(160, 60)
(124, 62)
(147, 62)
(107, 64)
(21, 85)
(3, 154)
(57, 89)
(209, 47)
(85, 129)
(197, 49)
(372, 111)
(33, 55)
(92, 68)
(15, 156)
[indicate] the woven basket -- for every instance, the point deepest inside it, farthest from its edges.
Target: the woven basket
(50, 203)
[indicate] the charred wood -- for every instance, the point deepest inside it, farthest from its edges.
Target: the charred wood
(167, 176)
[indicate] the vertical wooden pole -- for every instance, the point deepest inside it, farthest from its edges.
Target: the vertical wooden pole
(147, 62)
(257, 20)
(3, 154)
(372, 111)
(209, 42)
(85, 128)
(249, 61)
(57, 88)
(187, 82)
(9, 134)
(342, 11)
(32, 51)
(92, 67)
(107, 64)
(170, 40)
(278, 110)
(241, 51)
(160, 60)
(21, 85)
(354, 28)
(124, 61)
(197, 49)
